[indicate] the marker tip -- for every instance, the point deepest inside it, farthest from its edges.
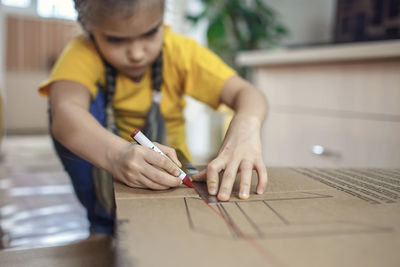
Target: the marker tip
(186, 181)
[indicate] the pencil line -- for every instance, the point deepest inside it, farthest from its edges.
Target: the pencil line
(276, 213)
(188, 214)
(252, 223)
(228, 219)
(263, 251)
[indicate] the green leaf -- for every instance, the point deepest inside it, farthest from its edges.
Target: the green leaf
(216, 30)
(281, 30)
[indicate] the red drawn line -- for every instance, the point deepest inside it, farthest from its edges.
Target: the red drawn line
(249, 240)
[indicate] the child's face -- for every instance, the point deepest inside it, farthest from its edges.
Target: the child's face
(131, 44)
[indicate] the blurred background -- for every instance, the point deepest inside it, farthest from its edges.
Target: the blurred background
(329, 68)
(35, 32)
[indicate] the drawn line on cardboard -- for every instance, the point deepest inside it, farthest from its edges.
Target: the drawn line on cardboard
(286, 229)
(280, 199)
(224, 213)
(232, 225)
(188, 214)
(319, 195)
(237, 231)
(276, 213)
(251, 222)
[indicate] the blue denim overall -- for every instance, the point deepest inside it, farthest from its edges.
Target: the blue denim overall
(102, 219)
(80, 172)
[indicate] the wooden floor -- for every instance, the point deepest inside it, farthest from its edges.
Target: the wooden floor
(38, 207)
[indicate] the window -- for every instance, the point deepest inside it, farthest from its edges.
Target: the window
(16, 3)
(56, 9)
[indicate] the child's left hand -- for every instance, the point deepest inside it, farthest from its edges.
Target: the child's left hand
(239, 153)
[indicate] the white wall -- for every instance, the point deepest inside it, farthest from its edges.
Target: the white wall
(309, 21)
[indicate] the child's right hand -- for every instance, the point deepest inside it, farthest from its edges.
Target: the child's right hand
(140, 167)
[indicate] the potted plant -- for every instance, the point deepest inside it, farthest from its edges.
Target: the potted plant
(239, 25)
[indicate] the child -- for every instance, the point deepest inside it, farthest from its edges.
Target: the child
(128, 51)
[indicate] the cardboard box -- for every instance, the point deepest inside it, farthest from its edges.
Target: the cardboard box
(307, 217)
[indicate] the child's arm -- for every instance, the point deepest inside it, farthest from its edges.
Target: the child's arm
(241, 149)
(75, 128)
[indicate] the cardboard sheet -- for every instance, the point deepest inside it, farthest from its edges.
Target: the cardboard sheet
(307, 217)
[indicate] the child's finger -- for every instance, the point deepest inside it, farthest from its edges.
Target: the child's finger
(148, 183)
(161, 170)
(161, 161)
(170, 152)
(246, 169)
(213, 170)
(201, 176)
(162, 178)
(228, 179)
(262, 177)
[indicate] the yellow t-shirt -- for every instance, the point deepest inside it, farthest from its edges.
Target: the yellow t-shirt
(188, 68)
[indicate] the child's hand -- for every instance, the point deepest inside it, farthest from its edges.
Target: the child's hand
(140, 167)
(240, 152)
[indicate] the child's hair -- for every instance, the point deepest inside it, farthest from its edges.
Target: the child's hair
(91, 12)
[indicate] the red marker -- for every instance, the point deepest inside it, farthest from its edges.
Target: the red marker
(139, 137)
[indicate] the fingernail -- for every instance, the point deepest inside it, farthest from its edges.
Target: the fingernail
(222, 195)
(244, 193)
(212, 190)
(176, 172)
(260, 191)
